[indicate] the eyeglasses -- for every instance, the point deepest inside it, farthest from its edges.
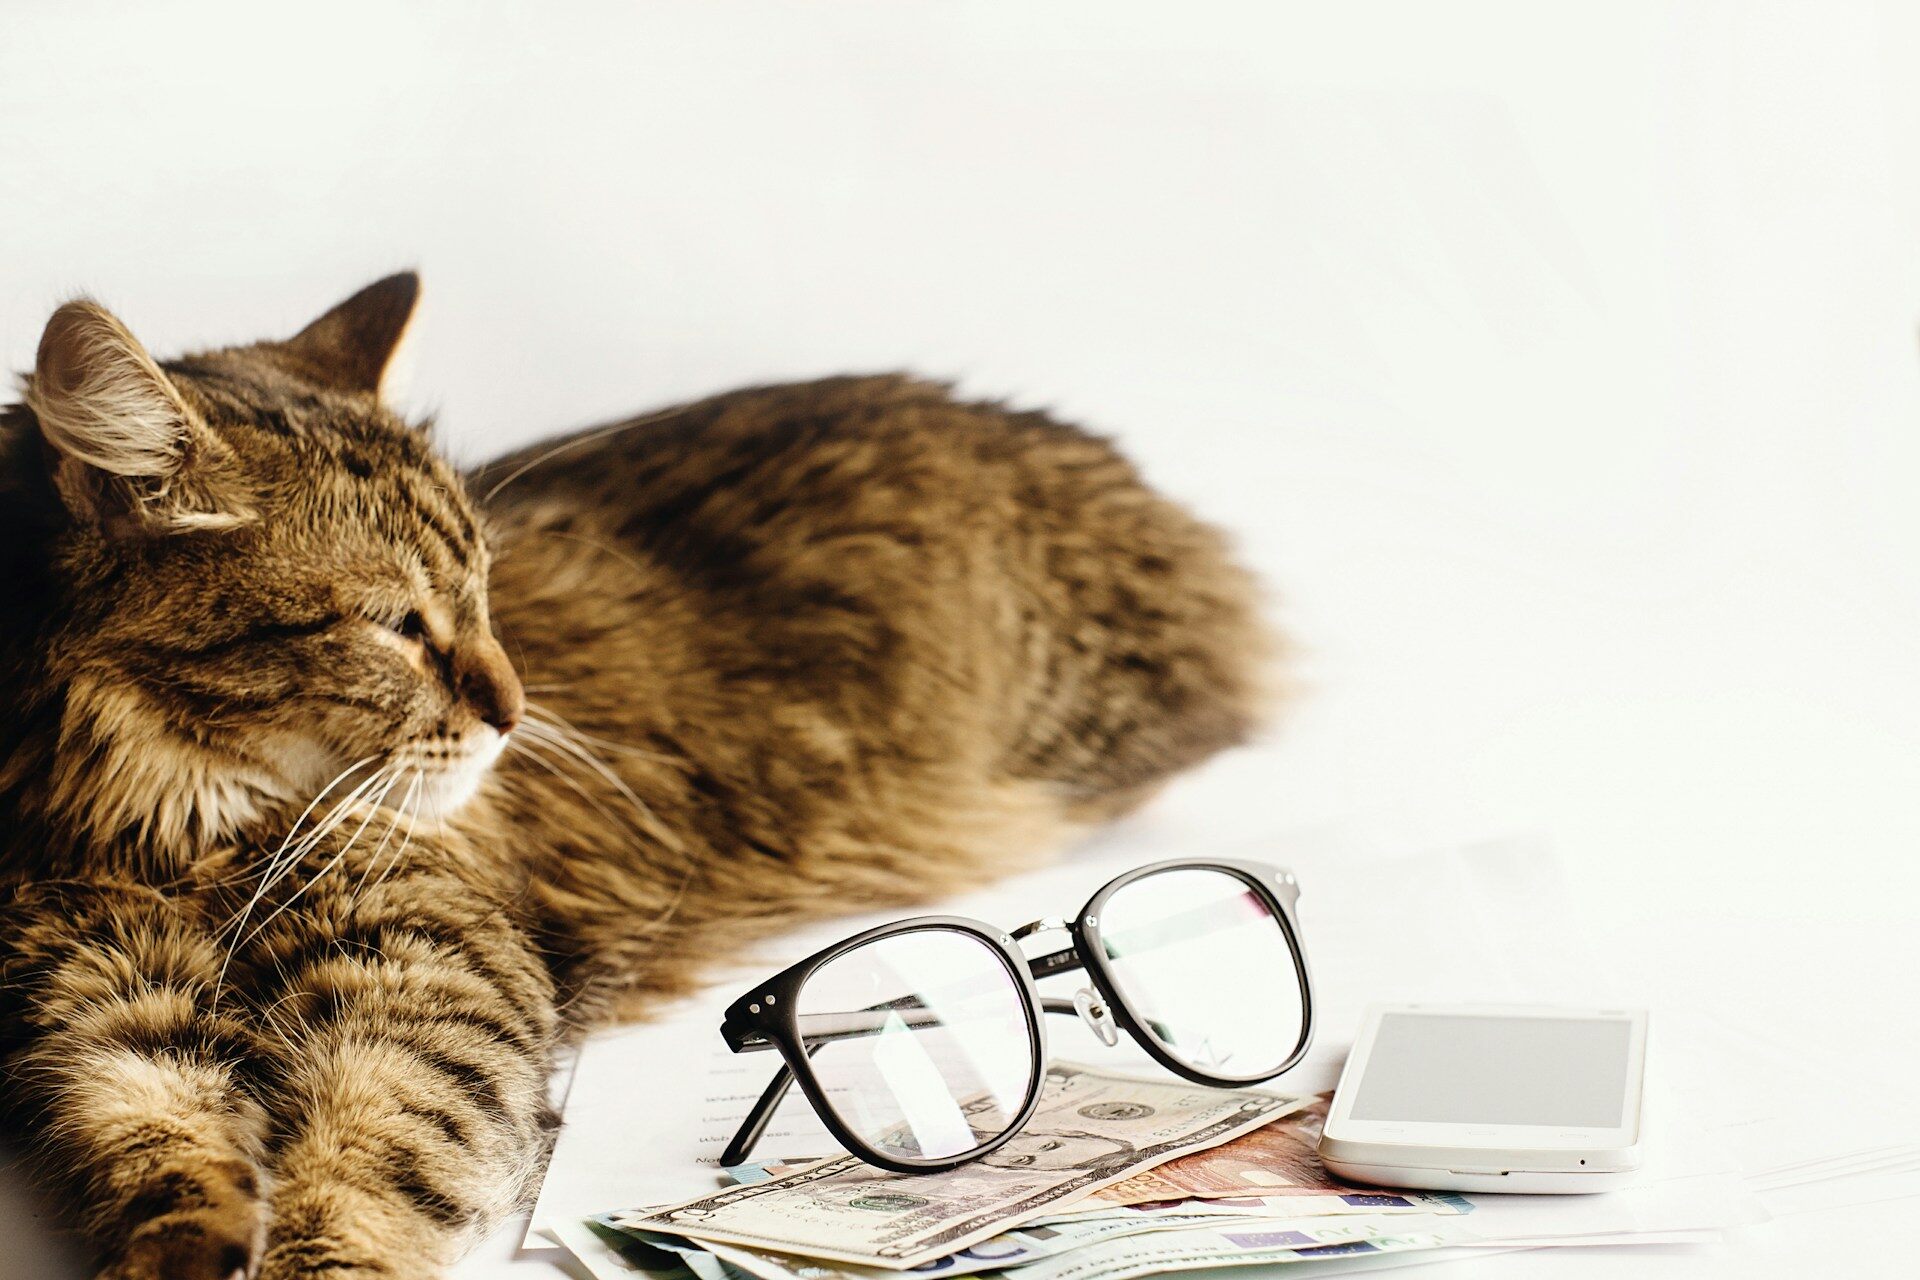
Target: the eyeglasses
(920, 1043)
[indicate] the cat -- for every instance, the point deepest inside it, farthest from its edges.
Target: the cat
(338, 788)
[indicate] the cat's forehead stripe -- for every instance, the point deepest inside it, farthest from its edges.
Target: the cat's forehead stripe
(453, 506)
(435, 515)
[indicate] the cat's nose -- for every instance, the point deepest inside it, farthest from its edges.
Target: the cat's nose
(486, 680)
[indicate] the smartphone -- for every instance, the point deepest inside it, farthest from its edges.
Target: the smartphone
(1490, 1098)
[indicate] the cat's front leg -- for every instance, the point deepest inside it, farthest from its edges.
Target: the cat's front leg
(411, 1110)
(120, 1078)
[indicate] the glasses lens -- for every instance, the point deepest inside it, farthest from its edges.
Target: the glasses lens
(1208, 968)
(920, 1042)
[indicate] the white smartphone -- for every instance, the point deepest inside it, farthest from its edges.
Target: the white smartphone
(1490, 1098)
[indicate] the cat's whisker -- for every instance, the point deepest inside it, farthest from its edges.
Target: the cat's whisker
(406, 841)
(305, 813)
(554, 720)
(528, 747)
(335, 819)
(555, 734)
(270, 1016)
(286, 858)
(596, 544)
(641, 819)
(289, 848)
(579, 441)
(649, 821)
(403, 810)
(576, 743)
(296, 841)
(373, 808)
(386, 837)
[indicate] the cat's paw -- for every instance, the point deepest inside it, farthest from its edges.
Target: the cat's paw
(302, 1265)
(332, 1260)
(332, 1231)
(206, 1225)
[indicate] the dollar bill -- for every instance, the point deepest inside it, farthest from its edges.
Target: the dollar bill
(1184, 1249)
(1011, 1248)
(1195, 1250)
(1409, 1202)
(1295, 1203)
(1090, 1130)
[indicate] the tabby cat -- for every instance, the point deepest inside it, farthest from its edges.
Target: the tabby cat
(337, 788)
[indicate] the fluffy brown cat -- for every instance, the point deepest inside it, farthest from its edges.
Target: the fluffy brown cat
(299, 891)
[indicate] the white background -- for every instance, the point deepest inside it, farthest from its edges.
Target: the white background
(1556, 366)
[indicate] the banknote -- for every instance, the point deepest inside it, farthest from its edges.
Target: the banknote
(606, 1254)
(1010, 1249)
(1091, 1129)
(1273, 1170)
(1185, 1249)
(1295, 1203)
(1331, 1205)
(624, 1253)
(694, 1256)
(1278, 1160)
(1196, 1249)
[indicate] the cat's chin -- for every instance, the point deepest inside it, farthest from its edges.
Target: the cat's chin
(448, 785)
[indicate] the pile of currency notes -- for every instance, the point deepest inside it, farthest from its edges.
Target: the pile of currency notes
(1113, 1177)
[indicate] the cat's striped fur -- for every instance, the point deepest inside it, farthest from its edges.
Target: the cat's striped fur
(284, 951)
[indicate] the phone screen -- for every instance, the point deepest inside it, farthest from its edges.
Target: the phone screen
(1472, 1069)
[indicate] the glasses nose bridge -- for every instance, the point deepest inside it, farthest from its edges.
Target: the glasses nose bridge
(1046, 924)
(1066, 959)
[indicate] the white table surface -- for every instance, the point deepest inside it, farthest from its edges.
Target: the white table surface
(1558, 369)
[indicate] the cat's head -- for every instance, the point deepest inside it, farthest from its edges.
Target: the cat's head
(262, 580)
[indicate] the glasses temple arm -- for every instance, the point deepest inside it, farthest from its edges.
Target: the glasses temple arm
(754, 1127)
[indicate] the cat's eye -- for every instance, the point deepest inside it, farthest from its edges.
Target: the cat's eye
(410, 626)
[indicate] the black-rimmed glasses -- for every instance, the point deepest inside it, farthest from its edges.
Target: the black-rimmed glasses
(920, 1043)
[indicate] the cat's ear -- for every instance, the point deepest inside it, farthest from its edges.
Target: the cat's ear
(351, 348)
(128, 451)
